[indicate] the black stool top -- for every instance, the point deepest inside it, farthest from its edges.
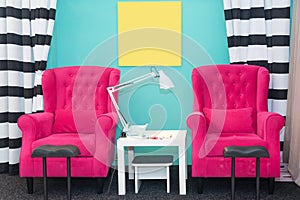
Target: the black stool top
(153, 159)
(246, 151)
(55, 151)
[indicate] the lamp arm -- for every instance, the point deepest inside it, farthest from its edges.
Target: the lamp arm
(118, 87)
(110, 91)
(134, 81)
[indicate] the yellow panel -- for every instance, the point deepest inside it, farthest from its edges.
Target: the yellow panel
(149, 33)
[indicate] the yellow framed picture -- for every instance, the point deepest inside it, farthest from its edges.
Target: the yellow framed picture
(149, 33)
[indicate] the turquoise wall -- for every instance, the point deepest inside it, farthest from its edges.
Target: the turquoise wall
(85, 33)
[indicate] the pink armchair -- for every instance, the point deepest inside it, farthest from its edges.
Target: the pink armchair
(77, 111)
(230, 108)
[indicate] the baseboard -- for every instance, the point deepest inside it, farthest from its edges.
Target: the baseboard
(284, 174)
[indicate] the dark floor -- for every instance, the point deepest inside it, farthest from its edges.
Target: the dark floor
(13, 187)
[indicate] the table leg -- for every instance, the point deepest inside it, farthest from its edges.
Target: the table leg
(130, 159)
(182, 170)
(168, 179)
(121, 171)
(186, 164)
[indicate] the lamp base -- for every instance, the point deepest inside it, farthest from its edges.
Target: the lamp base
(123, 134)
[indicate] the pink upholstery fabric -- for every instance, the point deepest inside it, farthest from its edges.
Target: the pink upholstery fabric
(226, 88)
(78, 111)
(236, 120)
(64, 121)
(85, 142)
(219, 142)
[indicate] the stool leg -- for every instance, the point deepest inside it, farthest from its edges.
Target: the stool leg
(136, 188)
(232, 178)
(137, 181)
(45, 178)
(69, 178)
(257, 177)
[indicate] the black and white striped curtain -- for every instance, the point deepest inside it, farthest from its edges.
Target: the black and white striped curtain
(258, 33)
(26, 28)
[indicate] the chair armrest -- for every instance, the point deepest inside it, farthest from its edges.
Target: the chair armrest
(268, 128)
(107, 121)
(35, 126)
(105, 137)
(269, 125)
(197, 123)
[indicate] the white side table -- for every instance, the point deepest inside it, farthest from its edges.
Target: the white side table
(178, 139)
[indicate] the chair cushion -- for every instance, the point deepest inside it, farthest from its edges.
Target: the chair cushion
(215, 143)
(55, 151)
(78, 121)
(84, 142)
(236, 120)
(246, 152)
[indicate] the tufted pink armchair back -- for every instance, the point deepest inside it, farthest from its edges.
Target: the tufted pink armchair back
(231, 109)
(231, 87)
(60, 92)
(77, 96)
(78, 111)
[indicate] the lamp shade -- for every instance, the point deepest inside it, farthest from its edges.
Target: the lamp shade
(164, 81)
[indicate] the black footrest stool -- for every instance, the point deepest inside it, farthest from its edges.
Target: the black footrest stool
(66, 151)
(245, 152)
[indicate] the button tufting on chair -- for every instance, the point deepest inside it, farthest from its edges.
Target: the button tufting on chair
(69, 119)
(239, 117)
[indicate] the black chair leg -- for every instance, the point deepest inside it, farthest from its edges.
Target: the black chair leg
(200, 185)
(271, 185)
(100, 184)
(29, 182)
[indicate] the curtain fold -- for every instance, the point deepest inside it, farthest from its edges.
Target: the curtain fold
(26, 28)
(292, 135)
(258, 33)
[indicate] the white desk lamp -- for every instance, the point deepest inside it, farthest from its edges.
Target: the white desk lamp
(164, 82)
